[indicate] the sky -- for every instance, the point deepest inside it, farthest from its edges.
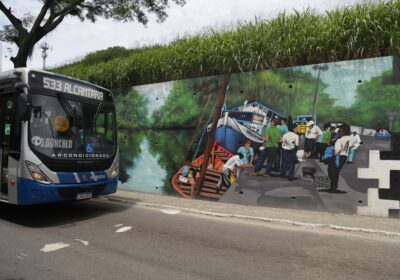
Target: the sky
(73, 39)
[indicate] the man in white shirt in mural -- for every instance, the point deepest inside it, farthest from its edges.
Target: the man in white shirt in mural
(355, 142)
(290, 143)
(313, 132)
(229, 168)
(339, 158)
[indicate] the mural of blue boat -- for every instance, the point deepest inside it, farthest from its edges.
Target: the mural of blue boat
(244, 122)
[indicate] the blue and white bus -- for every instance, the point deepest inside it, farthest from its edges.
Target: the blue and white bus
(58, 138)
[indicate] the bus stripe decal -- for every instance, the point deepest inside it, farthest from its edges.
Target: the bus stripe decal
(77, 177)
(94, 176)
(81, 177)
(66, 177)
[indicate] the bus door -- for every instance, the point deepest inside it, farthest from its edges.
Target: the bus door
(7, 111)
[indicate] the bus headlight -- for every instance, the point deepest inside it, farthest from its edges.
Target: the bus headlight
(37, 174)
(114, 173)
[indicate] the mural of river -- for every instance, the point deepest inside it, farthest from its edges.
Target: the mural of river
(149, 159)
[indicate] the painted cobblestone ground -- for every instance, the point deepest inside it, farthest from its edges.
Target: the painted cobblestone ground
(303, 193)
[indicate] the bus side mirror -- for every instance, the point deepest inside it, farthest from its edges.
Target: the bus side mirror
(23, 107)
(21, 86)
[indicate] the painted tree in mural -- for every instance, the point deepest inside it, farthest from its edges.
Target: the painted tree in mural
(27, 30)
(374, 99)
(288, 92)
(181, 108)
(131, 110)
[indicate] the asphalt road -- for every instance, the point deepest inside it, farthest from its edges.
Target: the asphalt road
(153, 244)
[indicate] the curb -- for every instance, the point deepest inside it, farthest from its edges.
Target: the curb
(262, 219)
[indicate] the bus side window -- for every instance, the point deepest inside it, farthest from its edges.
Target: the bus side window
(100, 125)
(1, 124)
(109, 127)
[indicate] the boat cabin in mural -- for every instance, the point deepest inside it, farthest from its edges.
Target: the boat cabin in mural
(245, 122)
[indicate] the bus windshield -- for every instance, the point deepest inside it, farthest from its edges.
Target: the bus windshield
(62, 128)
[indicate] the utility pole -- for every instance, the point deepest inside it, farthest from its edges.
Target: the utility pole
(7, 54)
(1, 56)
(391, 115)
(319, 68)
(45, 47)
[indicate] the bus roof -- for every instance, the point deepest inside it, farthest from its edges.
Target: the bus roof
(23, 72)
(39, 80)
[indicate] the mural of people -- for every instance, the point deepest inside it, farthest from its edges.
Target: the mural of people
(339, 157)
(229, 169)
(324, 141)
(248, 153)
(313, 132)
(272, 137)
(290, 144)
(355, 141)
(164, 124)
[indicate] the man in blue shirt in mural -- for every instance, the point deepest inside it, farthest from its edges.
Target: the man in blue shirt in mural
(247, 152)
(283, 128)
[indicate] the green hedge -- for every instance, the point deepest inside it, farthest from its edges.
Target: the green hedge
(359, 31)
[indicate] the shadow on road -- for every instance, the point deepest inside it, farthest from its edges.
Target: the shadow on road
(59, 214)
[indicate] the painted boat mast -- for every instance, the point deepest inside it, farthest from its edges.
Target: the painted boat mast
(210, 139)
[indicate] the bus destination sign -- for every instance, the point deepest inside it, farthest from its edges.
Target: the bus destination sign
(60, 84)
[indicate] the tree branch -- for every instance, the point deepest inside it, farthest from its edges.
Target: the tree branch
(41, 15)
(48, 27)
(56, 18)
(16, 22)
(69, 8)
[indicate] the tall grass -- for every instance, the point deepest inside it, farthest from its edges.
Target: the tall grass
(359, 31)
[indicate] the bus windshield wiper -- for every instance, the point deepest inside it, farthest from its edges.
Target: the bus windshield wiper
(66, 107)
(41, 113)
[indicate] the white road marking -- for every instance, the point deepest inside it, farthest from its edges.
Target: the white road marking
(123, 229)
(19, 257)
(53, 247)
(119, 225)
(171, 211)
(86, 243)
(23, 254)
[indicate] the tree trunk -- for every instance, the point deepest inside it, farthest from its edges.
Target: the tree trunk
(20, 59)
(25, 48)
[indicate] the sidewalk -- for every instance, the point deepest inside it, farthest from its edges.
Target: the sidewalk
(387, 226)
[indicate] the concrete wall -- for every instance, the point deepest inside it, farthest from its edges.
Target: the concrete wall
(161, 125)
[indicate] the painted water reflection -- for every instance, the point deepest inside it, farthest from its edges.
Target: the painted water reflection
(150, 158)
(146, 174)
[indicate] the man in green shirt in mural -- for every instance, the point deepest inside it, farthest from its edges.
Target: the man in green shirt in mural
(271, 137)
(324, 140)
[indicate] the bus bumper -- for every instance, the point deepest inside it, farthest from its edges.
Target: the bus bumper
(31, 192)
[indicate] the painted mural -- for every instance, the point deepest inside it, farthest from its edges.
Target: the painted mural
(316, 137)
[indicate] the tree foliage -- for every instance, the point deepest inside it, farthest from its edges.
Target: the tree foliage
(25, 32)
(359, 31)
